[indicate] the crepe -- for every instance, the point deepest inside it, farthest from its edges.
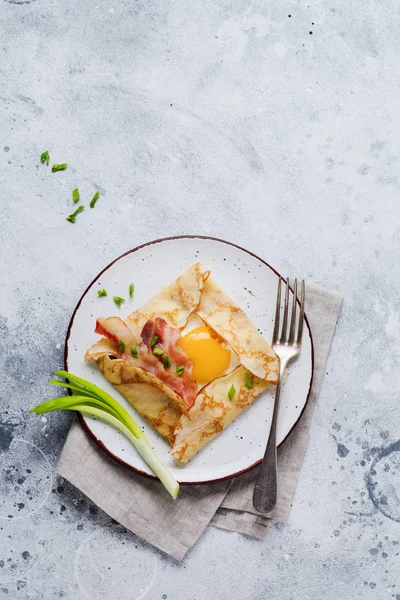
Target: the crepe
(188, 426)
(152, 399)
(231, 323)
(176, 302)
(213, 411)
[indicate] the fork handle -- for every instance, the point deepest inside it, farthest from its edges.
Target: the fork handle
(266, 486)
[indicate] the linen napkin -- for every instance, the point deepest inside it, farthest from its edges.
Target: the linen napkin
(141, 504)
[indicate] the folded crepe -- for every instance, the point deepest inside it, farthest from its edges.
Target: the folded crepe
(142, 357)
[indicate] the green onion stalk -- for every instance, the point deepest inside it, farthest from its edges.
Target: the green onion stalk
(91, 400)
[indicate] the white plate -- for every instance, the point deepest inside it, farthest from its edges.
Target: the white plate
(253, 284)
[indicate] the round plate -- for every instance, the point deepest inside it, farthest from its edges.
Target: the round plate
(252, 283)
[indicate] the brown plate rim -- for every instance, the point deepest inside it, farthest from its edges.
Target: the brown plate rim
(158, 241)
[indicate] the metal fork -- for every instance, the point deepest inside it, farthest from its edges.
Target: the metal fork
(287, 347)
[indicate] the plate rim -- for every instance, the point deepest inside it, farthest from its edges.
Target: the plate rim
(85, 425)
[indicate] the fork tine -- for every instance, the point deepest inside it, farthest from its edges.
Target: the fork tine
(301, 318)
(293, 319)
(284, 337)
(277, 313)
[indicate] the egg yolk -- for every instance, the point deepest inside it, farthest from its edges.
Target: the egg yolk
(209, 357)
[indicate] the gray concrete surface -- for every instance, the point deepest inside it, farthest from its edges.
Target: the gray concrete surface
(270, 124)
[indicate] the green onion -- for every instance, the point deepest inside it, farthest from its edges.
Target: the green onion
(60, 167)
(165, 361)
(95, 402)
(158, 351)
(121, 345)
(45, 158)
(94, 199)
(249, 380)
(134, 352)
(102, 293)
(71, 386)
(131, 290)
(75, 195)
(72, 218)
(154, 340)
(180, 369)
(118, 300)
(231, 392)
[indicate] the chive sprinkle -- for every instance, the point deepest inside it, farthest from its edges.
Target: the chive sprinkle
(131, 290)
(72, 218)
(94, 199)
(231, 392)
(158, 351)
(75, 195)
(154, 341)
(121, 345)
(102, 293)
(134, 352)
(60, 167)
(45, 158)
(118, 300)
(165, 361)
(180, 369)
(249, 380)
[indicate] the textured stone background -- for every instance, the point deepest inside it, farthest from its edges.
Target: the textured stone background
(270, 124)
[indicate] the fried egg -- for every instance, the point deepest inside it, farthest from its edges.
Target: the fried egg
(209, 356)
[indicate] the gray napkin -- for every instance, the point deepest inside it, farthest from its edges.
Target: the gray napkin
(143, 506)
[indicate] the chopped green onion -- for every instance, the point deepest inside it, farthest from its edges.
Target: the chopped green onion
(180, 369)
(45, 158)
(102, 293)
(165, 361)
(121, 345)
(231, 392)
(131, 290)
(134, 352)
(118, 300)
(60, 167)
(158, 351)
(91, 400)
(249, 380)
(75, 195)
(154, 341)
(72, 218)
(94, 199)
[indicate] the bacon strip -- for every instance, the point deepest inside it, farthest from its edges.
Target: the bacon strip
(115, 329)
